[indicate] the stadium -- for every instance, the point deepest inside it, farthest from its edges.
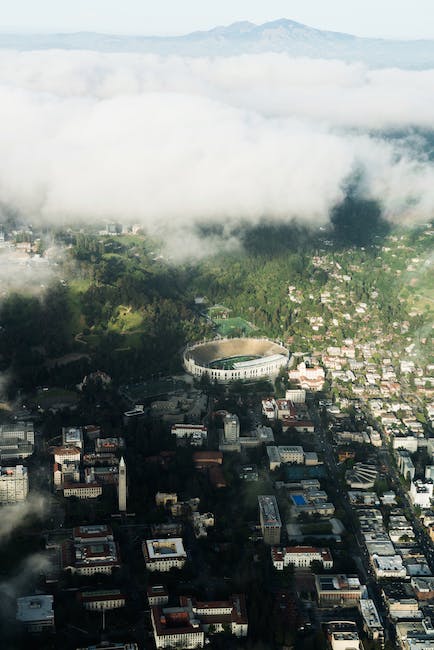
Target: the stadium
(227, 360)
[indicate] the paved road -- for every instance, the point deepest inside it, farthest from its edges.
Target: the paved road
(340, 498)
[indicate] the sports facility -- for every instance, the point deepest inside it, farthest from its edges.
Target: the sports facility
(236, 358)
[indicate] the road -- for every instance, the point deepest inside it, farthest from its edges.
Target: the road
(340, 498)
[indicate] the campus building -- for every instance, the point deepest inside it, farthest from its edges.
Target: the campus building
(164, 554)
(82, 490)
(17, 441)
(36, 613)
(14, 484)
(195, 434)
(340, 590)
(72, 437)
(271, 524)
(92, 550)
(157, 595)
(185, 626)
(300, 556)
(102, 599)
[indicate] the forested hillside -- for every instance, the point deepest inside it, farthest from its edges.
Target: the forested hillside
(120, 307)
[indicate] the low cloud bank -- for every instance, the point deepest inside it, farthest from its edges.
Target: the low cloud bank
(16, 515)
(173, 142)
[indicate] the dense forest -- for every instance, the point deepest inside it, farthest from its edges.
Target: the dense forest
(122, 308)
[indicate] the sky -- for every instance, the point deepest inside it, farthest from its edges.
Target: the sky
(174, 143)
(376, 18)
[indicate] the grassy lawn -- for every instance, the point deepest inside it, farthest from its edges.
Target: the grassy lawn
(230, 326)
(142, 390)
(46, 398)
(77, 287)
(125, 320)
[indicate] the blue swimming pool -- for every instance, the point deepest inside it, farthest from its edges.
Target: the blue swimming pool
(298, 499)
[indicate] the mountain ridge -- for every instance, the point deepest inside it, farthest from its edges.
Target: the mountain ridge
(243, 37)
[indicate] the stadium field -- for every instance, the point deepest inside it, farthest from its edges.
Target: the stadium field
(228, 363)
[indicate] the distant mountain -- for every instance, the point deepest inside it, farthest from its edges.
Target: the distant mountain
(244, 38)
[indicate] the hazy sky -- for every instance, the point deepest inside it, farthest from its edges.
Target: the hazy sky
(387, 18)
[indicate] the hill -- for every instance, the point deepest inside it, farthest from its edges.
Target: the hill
(282, 35)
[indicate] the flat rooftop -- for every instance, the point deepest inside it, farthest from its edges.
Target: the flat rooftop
(35, 608)
(338, 583)
(269, 510)
(165, 548)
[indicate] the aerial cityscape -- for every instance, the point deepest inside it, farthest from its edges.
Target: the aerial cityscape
(216, 327)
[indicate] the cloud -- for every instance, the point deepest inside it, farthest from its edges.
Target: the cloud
(18, 271)
(171, 142)
(14, 516)
(32, 567)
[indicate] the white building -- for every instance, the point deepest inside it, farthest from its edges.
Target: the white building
(195, 433)
(172, 629)
(309, 378)
(300, 556)
(421, 493)
(72, 437)
(164, 554)
(284, 454)
(269, 408)
(14, 484)
(409, 443)
(296, 395)
(345, 640)
(388, 566)
(185, 626)
(66, 454)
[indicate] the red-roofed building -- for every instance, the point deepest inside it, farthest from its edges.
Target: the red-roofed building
(185, 626)
(300, 556)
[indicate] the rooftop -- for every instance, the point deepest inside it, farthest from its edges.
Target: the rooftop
(35, 608)
(165, 548)
(269, 510)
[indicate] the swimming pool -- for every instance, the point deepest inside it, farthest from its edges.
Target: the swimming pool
(298, 499)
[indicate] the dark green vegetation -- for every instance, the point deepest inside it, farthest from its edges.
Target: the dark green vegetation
(128, 312)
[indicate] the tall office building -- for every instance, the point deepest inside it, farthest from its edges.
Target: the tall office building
(271, 524)
(231, 425)
(122, 486)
